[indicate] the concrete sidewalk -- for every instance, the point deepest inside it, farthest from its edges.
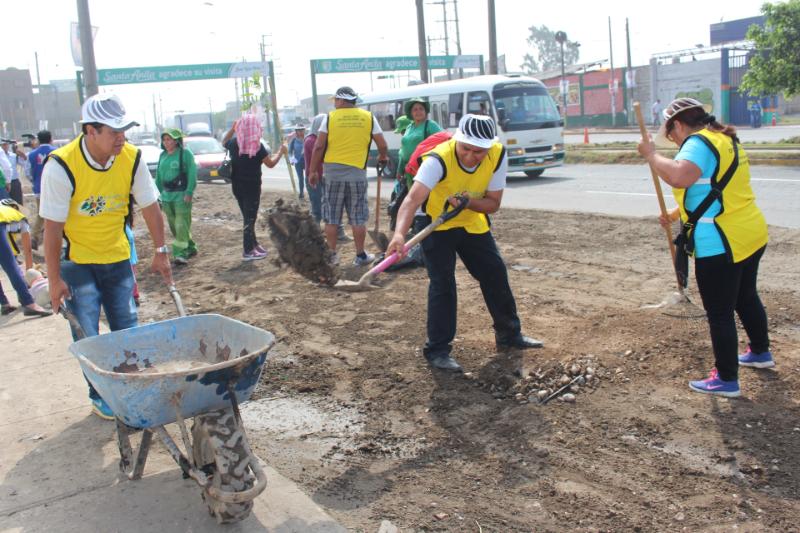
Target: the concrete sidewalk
(58, 467)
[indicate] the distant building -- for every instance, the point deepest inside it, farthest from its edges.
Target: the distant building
(306, 108)
(17, 115)
(57, 104)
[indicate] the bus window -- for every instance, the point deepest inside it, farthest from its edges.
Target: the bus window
(435, 112)
(456, 111)
(443, 115)
(386, 114)
(478, 103)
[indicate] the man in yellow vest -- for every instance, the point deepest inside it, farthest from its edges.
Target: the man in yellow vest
(343, 140)
(86, 191)
(473, 164)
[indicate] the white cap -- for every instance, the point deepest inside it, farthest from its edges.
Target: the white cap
(477, 130)
(106, 109)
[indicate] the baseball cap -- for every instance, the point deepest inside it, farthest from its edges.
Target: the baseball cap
(346, 93)
(106, 109)
(476, 130)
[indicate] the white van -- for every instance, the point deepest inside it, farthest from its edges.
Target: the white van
(530, 126)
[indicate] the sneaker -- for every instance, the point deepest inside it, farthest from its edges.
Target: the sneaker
(180, 261)
(192, 253)
(334, 259)
(253, 255)
(101, 409)
(713, 385)
(343, 237)
(261, 250)
(364, 259)
(756, 360)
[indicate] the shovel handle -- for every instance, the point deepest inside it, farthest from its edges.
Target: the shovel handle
(176, 298)
(446, 215)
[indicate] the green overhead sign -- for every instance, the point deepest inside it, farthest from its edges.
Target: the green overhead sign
(377, 64)
(120, 76)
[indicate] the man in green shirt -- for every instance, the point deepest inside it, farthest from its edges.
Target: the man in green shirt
(176, 179)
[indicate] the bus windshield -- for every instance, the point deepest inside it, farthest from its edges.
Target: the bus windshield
(524, 106)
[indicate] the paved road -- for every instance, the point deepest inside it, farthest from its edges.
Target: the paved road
(763, 134)
(625, 190)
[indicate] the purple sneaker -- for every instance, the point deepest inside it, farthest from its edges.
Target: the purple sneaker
(260, 250)
(253, 255)
(713, 385)
(756, 360)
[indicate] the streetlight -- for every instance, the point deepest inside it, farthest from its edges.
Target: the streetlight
(561, 38)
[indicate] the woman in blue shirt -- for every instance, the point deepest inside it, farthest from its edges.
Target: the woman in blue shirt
(729, 237)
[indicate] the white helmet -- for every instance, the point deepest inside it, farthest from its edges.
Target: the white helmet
(679, 105)
(477, 130)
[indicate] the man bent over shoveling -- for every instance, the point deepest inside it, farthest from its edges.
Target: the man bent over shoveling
(474, 164)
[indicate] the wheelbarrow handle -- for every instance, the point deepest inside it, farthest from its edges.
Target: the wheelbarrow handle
(176, 297)
(73, 321)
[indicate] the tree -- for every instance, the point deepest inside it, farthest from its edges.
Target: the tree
(775, 66)
(548, 51)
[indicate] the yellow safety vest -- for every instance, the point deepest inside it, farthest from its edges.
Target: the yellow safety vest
(9, 215)
(349, 137)
(95, 226)
(456, 180)
(740, 223)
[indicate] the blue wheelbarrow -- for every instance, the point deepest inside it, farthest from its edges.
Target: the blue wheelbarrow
(201, 367)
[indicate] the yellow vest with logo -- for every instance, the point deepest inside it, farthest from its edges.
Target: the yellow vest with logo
(95, 226)
(456, 180)
(740, 223)
(349, 137)
(9, 215)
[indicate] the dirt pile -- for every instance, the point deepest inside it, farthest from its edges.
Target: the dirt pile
(300, 243)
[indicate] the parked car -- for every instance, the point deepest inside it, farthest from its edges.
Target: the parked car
(208, 154)
(150, 155)
(198, 129)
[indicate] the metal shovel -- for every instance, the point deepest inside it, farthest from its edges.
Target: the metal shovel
(365, 282)
(380, 239)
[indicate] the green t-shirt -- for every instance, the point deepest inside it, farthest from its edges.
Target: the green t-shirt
(411, 138)
(168, 168)
(2, 178)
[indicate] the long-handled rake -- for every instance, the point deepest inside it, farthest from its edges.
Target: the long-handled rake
(677, 303)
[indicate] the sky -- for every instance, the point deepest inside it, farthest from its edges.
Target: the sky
(178, 32)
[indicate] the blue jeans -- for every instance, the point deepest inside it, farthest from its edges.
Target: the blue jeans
(479, 254)
(299, 168)
(9, 264)
(93, 286)
(315, 196)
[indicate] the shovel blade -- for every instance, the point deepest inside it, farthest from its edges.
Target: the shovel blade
(379, 239)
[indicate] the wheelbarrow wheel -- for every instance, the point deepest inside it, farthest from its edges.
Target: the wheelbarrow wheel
(221, 450)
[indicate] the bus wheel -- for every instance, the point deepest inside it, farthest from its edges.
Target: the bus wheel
(534, 173)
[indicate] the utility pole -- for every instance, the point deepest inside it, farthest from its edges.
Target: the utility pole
(611, 82)
(155, 115)
(628, 73)
(446, 37)
(561, 38)
(87, 49)
(423, 54)
(458, 37)
(38, 79)
(492, 39)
